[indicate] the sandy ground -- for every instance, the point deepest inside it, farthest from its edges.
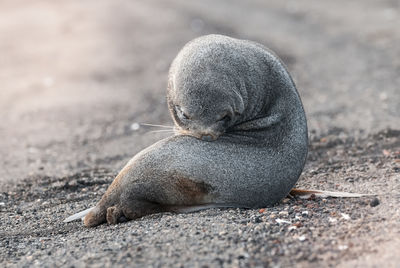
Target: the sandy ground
(77, 75)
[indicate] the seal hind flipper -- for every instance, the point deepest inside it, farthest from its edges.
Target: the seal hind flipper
(304, 194)
(95, 217)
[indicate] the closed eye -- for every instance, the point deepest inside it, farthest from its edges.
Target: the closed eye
(225, 118)
(180, 113)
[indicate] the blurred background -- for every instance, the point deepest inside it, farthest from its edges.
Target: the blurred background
(77, 76)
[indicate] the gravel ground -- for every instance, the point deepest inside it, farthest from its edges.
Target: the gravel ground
(298, 232)
(78, 75)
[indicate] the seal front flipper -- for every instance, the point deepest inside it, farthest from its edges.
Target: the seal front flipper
(260, 123)
(102, 213)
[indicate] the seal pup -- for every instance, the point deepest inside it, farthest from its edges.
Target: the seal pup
(241, 137)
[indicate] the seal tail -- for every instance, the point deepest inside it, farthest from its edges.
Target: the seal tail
(79, 215)
(304, 194)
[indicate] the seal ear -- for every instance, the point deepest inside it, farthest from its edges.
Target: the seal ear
(171, 84)
(239, 107)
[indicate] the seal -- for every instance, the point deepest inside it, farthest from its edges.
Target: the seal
(241, 137)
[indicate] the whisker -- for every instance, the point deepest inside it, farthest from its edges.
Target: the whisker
(155, 125)
(162, 131)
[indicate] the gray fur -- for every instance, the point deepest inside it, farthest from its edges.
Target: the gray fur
(257, 153)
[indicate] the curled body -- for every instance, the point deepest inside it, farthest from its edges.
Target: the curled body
(241, 136)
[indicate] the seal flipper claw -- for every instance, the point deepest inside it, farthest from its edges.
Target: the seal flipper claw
(113, 215)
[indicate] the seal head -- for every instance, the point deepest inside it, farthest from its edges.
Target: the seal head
(204, 97)
(215, 110)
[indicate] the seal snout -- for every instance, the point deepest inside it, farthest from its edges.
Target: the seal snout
(208, 137)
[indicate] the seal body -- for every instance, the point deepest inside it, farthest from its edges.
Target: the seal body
(241, 136)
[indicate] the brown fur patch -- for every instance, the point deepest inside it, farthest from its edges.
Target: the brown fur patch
(193, 191)
(123, 172)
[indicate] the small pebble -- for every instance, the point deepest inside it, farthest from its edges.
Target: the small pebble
(256, 219)
(280, 221)
(302, 238)
(374, 202)
(333, 220)
(345, 216)
(283, 213)
(297, 224)
(304, 213)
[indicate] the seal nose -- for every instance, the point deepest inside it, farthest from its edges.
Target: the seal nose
(207, 138)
